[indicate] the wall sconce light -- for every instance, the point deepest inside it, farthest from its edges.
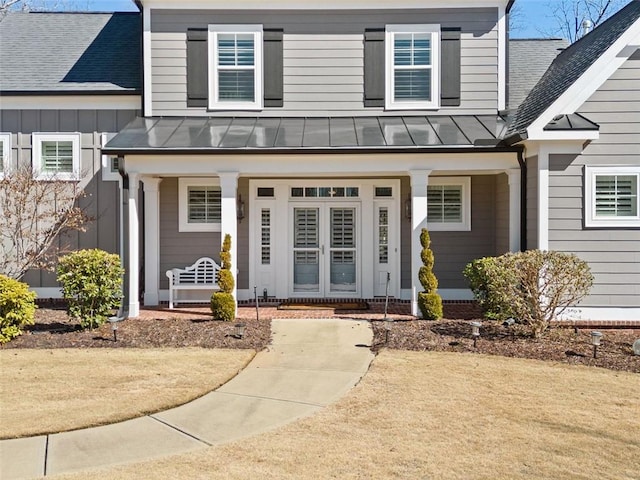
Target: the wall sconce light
(475, 331)
(407, 208)
(595, 341)
(240, 208)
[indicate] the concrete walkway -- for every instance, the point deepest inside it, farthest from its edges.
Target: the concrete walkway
(310, 364)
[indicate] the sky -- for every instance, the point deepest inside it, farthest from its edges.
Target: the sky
(535, 14)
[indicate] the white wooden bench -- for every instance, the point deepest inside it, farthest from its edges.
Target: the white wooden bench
(202, 275)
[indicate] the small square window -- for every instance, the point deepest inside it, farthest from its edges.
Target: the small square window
(199, 205)
(110, 163)
(56, 156)
(235, 59)
(412, 66)
(449, 204)
(5, 153)
(612, 196)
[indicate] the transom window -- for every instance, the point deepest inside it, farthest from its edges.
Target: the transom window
(612, 196)
(5, 152)
(412, 61)
(449, 203)
(325, 192)
(235, 54)
(200, 205)
(56, 157)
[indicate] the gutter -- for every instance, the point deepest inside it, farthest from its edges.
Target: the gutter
(123, 312)
(523, 198)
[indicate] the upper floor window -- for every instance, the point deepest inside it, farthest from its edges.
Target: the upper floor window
(412, 66)
(449, 203)
(612, 196)
(110, 163)
(5, 152)
(56, 156)
(235, 56)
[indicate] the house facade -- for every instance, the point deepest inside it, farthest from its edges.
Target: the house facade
(323, 138)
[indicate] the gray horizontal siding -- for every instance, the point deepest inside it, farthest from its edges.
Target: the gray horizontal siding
(532, 203)
(453, 250)
(613, 253)
(323, 57)
(102, 199)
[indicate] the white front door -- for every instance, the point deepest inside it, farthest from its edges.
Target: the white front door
(325, 249)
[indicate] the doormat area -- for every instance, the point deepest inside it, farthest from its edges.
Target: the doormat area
(324, 305)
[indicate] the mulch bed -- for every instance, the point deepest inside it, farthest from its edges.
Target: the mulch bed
(193, 327)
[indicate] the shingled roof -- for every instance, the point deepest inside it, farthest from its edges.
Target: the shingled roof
(70, 52)
(570, 65)
(529, 58)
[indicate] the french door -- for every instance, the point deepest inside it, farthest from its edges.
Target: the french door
(325, 250)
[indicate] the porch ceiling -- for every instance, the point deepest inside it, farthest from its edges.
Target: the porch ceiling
(326, 134)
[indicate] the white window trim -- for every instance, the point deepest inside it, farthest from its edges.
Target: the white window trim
(589, 198)
(465, 224)
(5, 138)
(214, 30)
(36, 160)
(390, 102)
(183, 205)
(108, 175)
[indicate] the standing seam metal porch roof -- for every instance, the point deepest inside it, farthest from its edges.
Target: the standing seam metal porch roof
(269, 134)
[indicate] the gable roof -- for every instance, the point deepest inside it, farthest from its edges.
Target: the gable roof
(529, 58)
(70, 53)
(570, 65)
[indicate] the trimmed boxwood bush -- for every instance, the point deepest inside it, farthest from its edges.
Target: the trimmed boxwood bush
(223, 305)
(92, 284)
(429, 302)
(17, 308)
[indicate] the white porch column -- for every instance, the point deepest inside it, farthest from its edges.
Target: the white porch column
(151, 240)
(229, 189)
(419, 182)
(515, 191)
(134, 249)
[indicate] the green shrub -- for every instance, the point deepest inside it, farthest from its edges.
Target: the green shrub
(223, 306)
(17, 308)
(92, 284)
(534, 287)
(429, 302)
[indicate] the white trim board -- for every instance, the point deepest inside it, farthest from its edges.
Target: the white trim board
(449, 294)
(592, 79)
(327, 4)
(602, 314)
(70, 102)
(47, 292)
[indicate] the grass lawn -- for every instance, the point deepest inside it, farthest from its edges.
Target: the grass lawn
(428, 415)
(44, 391)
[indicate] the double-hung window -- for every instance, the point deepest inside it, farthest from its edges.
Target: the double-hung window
(235, 59)
(412, 66)
(200, 205)
(612, 196)
(56, 156)
(5, 153)
(449, 203)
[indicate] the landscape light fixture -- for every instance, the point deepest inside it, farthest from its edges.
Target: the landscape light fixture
(114, 326)
(387, 328)
(239, 330)
(595, 341)
(475, 331)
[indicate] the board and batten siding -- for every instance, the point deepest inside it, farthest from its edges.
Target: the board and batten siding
(532, 203)
(453, 250)
(324, 57)
(613, 253)
(102, 198)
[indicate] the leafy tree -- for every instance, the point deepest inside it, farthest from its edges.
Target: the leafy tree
(429, 302)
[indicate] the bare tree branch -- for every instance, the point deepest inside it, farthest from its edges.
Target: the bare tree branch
(568, 15)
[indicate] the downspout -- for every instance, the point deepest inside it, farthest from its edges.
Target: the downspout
(523, 198)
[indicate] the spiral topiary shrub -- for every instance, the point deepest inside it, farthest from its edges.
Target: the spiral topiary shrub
(429, 302)
(92, 284)
(17, 308)
(223, 305)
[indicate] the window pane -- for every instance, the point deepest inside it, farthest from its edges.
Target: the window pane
(204, 205)
(57, 156)
(444, 203)
(1, 156)
(412, 84)
(616, 195)
(236, 85)
(384, 191)
(235, 49)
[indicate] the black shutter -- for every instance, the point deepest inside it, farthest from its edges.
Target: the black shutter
(273, 67)
(374, 73)
(197, 68)
(450, 64)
